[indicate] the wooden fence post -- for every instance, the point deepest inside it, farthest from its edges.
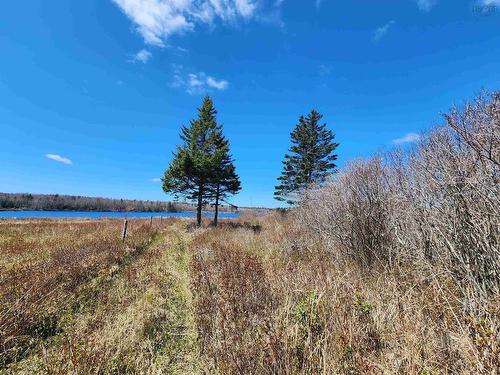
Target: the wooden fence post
(161, 220)
(124, 231)
(151, 222)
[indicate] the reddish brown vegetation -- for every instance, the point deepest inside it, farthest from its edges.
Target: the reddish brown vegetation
(48, 266)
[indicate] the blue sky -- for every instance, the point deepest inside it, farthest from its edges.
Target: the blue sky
(93, 93)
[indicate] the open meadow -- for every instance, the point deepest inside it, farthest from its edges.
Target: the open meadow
(76, 299)
(250, 187)
(392, 266)
(248, 297)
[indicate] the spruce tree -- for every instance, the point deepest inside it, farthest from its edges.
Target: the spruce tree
(190, 173)
(311, 158)
(224, 180)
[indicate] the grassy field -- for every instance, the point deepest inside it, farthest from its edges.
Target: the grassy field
(76, 299)
(239, 299)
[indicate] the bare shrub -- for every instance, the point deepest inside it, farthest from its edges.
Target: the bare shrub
(435, 204)
(392, 267)
(354, 215)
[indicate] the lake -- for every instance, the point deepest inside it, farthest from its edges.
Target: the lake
(96, 214)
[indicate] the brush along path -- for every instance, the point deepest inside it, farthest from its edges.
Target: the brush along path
(141, 322)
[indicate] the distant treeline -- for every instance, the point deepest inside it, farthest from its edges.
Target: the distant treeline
(56, 202)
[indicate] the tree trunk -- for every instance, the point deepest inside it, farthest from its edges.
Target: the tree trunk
(200, 203)
(216, 205)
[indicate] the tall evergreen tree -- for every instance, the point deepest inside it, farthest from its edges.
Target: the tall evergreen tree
(190, 173)
(224, 180)
(311, 159)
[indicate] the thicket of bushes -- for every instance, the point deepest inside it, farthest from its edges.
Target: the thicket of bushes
(434, 206)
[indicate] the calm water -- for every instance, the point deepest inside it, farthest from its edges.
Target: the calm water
(92, 215)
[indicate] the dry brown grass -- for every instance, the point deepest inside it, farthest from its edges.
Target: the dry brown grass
(140, 322)
(51, 270)
(267, 300)
(261, 310)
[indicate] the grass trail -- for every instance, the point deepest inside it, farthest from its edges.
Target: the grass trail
(141, 321)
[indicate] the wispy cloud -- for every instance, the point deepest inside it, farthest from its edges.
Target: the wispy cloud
(426, 5)
(142, 56)
(155, 180)
(196, 83)
(59, 159)
(273, 15)
(157, 20)
(318, 3)
(490, 2)
(381, 31)
(408, 138)
(324, 70)
(485, 7)
(219, 85)
(181, 50)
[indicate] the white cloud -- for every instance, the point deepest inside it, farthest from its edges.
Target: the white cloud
(59, 158)
(245, 7)
(142, 56)
(157, 20)
(219, 85)
(155, 180)
(381, 31)
(426, 5)
(408, 138)
(196, 83)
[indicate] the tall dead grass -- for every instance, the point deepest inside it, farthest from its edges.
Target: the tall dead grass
(140, 322)
(48, 269)
(263, 308)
